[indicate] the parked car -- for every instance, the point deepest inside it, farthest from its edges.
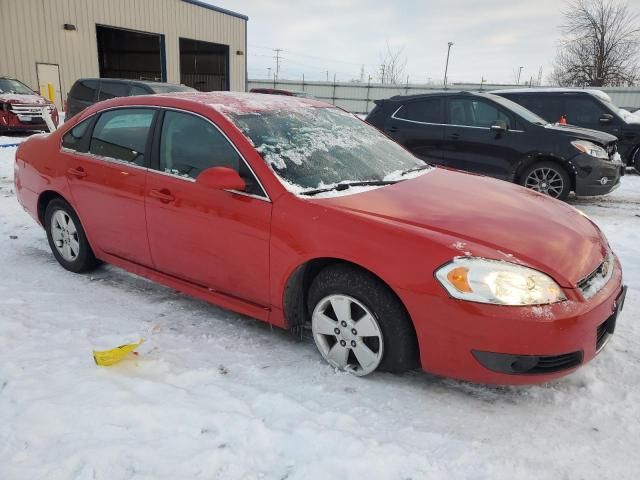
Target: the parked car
(87, 91)
(22, 109)
(491, 135)
(293, 211)
(280, 91)
(584, 108)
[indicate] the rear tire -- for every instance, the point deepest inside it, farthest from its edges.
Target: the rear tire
(369, 328)
(67, 239)
(548, 178)
(635, 160)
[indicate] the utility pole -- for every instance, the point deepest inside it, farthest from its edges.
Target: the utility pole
(382, 67)
(482, 81)
(327, 75)
(278, 58)
(519, 73)
(446, 67)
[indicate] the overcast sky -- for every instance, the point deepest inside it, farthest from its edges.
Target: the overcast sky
(492, 38)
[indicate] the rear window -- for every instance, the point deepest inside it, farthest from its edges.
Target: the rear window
(85, 90)
(112, 90)
(424, 111)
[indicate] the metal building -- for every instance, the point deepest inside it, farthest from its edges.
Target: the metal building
(48, 44)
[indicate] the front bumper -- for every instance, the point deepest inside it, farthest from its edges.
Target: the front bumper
(596, 176)
(545, 342)
(25, 118)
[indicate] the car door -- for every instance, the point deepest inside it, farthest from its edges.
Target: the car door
(213, 238)
(418, 126)
(107, 179)
(470, 143)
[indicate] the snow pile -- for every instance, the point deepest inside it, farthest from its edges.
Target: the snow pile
(214, 395)
(629, 117)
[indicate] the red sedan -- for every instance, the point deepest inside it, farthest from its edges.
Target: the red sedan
(294, 212)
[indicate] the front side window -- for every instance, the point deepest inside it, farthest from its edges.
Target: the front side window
(582, 110)
(475, 113)
(423, 111)
(190, 144)
(136, 90)
(122, 134)
(73, 138)
(311, 147)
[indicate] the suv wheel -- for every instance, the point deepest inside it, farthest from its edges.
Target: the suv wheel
(635, 160)
(67, 239)
(548, 178)
(358, 324)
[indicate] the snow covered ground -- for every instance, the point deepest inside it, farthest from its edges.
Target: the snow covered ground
(215, 395)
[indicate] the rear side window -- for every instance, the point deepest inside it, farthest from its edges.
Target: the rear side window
(112, 90)
(85, 90)
(73, 138)
(122, 134)
(475, 113)
(424, 111)
(548, 107)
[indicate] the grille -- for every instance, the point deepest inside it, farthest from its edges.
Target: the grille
(604, 331)
(596, 280)
(555, 363)
(28, 110)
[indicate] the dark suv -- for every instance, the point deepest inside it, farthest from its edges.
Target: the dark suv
(87, 91)
(494, 136)
(584, 108)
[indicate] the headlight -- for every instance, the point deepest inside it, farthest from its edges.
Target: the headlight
(590, 149)
(497, 282)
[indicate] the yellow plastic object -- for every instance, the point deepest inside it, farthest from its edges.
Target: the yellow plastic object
(52, 92)
(106, 358)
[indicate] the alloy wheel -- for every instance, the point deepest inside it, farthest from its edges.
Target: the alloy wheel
(65, 235)
(545, 180)
(347, 334)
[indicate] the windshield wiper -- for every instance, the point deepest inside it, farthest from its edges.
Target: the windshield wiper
(345, 185)
(416, 169)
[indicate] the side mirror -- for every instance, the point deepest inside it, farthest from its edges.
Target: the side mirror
(606, 118)
(221, 178)
(499, 126)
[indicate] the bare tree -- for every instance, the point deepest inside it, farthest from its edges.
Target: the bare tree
(600, 45)
(392, 65)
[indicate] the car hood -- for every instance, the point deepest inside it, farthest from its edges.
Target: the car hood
(26, 99)
(488, 218)
(582, 133)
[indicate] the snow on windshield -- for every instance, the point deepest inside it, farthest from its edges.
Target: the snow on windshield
(312, 147)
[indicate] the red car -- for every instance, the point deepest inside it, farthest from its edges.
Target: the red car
(22, 109)
(295, 212)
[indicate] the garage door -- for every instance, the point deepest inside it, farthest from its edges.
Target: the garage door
(204, 65)
(130, 54)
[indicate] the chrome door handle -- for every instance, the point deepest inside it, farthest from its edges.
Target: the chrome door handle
(163, 195)
(77, 172)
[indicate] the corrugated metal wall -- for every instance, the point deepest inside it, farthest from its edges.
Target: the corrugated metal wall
(32, 31)
(359, 97)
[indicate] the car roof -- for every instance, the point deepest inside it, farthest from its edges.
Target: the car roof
(226, 102)
(128, 80)
(585, 91)
(434, 93)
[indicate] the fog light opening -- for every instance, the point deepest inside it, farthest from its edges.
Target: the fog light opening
(604, 181)
(524, 364)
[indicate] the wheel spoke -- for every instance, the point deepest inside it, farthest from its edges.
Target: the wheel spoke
(364, 355)
(341, 307)
(66, 252)
(75, 246)
(366, 327)
(71, 227)
(338, 355)
(323, 324)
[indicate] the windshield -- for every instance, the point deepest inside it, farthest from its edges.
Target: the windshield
(518, 109)
(312, 148)
(14, 86)
(171, 88)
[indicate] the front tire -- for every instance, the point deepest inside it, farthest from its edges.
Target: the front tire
(358, 324)
(548, 178)
(635, 160)
(67, 239)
